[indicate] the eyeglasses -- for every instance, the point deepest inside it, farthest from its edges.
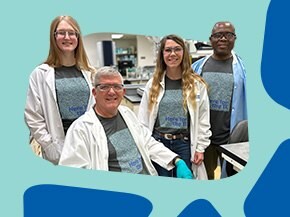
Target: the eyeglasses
(107, 87)
(62, 33)
(169, 50)
(220, 35)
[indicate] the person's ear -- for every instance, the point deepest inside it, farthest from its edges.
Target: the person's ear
(94, 91)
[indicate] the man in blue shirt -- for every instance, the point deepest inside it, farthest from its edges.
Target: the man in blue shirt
(226, 76)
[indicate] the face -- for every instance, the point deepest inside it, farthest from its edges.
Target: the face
(223, 40)
(172, 54)
(108, 95)
(66, 37)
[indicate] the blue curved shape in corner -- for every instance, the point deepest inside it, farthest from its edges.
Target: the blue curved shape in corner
(275, 73)
(270, 195)
(60, 201)
(199, 207)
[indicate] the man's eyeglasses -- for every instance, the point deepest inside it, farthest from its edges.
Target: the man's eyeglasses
(227, 35)
(107, 87)
(62, 33)
(169, 50)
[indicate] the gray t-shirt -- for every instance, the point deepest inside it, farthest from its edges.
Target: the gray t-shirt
(72, 92)
(171, 116)
(124, 155)
(219, 76)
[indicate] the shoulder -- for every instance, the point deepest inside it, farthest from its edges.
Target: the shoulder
(88, 70)
(237, 57)
(196, 65)
(238, 60)
(149, 83)
(41, 72)
(127, 112)
(148, 86)
(88, 117)
(84, 121)
(43, 68)
(87, 73)
(125, 109)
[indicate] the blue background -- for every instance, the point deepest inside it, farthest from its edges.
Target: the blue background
(25, 44)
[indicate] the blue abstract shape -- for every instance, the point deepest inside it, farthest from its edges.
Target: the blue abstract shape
(275, 74)
(60, 201)
(267, 198)
(270, 195)
(201, 207)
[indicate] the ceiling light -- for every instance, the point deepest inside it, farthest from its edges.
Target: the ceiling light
(117, 36)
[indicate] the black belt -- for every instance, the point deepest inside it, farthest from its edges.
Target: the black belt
(170, 136)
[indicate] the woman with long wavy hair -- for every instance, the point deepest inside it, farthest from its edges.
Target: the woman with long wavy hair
(175, 106)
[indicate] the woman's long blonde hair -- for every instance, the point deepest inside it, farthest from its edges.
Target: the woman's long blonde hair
(54, 55)
(188, 75)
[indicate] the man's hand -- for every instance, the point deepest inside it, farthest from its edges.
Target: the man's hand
(198, 158)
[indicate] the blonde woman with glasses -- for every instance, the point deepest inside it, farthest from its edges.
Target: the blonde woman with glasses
(175, 106)
(59, 89)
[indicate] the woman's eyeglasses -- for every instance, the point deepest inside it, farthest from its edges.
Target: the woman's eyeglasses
(63, 33)
(169, 50)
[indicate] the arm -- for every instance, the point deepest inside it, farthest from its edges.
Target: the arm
(203, 131)
(36, 120)
(167, 159)
(156, 150)
(143, 113)
(203, 126)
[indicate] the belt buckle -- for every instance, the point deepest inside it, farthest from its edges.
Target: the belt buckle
(168, 136)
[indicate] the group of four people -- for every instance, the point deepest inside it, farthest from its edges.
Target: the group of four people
(182, 115)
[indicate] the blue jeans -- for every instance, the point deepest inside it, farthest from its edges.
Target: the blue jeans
(180, 147)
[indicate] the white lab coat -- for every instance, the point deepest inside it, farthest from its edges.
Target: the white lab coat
(42, 114)
(86, 144)
(199, 120)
